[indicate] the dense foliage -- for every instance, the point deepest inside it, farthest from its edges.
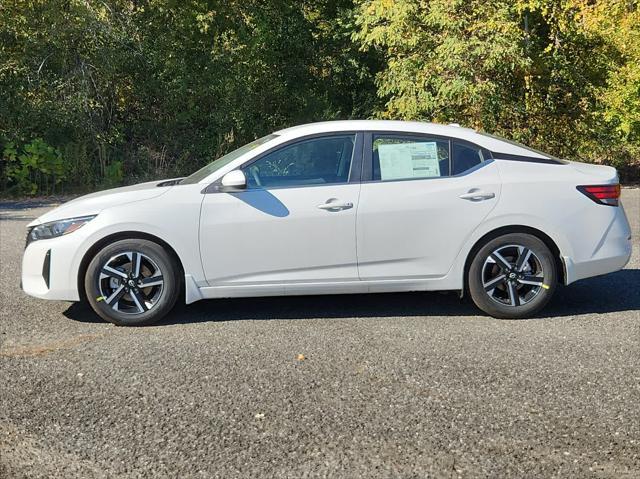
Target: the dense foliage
(95, 93)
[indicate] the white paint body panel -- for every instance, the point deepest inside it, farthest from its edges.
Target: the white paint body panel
(278, 236)
(398, 236)
(414, 229)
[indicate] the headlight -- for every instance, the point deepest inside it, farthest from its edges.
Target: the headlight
(57, 228)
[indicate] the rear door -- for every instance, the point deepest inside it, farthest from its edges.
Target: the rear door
(421, 198)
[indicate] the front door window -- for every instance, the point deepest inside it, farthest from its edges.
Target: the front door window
(316, 161)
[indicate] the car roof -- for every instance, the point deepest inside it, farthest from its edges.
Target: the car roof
(494, 144)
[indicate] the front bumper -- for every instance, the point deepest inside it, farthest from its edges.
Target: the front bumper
(48, 271)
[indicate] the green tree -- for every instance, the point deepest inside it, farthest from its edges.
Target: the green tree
(130, 90)
(162, 86)
(445, 60)
(560, 75)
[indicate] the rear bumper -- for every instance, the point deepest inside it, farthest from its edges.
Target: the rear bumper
(612, 252)
(588, 269)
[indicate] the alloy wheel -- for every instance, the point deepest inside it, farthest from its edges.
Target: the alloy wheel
(130, 283)
(513, 275)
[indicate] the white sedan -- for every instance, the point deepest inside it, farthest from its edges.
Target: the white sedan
(333, 208)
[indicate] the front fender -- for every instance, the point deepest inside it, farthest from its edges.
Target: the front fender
(174, 222)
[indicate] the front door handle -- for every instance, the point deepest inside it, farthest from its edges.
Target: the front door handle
(333, 204)
(475, 194)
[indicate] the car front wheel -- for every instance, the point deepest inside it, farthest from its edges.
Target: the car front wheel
(512, 276)
(132, 282)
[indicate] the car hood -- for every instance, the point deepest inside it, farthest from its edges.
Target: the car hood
(93, 203)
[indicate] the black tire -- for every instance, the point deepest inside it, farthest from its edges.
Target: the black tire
(129, 305)
(510, 298)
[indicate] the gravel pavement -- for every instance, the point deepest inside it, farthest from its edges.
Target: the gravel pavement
(394, 385)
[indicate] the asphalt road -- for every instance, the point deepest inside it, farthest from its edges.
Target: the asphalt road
(401, 385)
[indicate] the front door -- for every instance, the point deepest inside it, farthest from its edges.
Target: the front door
(295, 222)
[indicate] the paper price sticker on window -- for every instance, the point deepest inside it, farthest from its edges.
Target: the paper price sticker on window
(408, 160)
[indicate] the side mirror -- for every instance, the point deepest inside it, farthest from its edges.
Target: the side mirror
(234, 180)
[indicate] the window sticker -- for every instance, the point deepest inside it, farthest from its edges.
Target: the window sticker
(408, 160)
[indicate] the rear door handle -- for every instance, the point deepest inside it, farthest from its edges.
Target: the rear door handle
(333, 204)
(477, 195)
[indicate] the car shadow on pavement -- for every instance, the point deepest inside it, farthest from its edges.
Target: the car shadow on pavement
(616, 292)
(610, 293)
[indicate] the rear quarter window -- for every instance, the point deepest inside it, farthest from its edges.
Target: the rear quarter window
(465, 156)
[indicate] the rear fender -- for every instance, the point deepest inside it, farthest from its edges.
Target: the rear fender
(510, 223)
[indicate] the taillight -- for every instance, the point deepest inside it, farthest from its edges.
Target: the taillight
(602, 194)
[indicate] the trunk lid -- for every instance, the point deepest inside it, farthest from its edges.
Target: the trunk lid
(596, 174)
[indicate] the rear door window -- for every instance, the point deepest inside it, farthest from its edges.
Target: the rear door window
(397, 157)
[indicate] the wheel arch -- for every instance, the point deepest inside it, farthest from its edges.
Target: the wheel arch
(541, 235)
(121, 235)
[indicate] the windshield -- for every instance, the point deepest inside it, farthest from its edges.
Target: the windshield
(225, 160)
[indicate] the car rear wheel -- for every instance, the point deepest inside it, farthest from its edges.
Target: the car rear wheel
(513, 276)
(132, 282)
